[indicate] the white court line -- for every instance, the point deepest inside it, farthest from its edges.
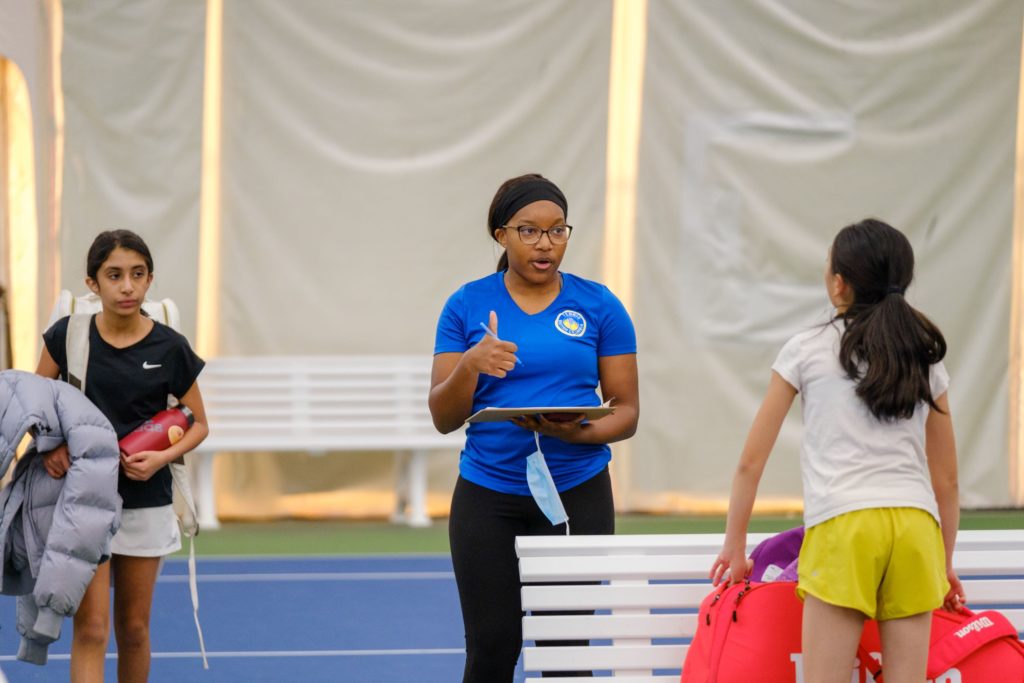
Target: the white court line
(317, 557)
(307, 576)
(265, 654)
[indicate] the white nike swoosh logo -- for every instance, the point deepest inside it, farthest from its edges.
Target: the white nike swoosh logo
(147, 366)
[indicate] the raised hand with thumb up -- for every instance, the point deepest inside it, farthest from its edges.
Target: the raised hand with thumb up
(491, 355)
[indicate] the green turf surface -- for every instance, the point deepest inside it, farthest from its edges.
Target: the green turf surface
(356, 538)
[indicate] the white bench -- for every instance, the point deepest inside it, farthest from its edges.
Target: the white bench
(990, 563)
(320, 404)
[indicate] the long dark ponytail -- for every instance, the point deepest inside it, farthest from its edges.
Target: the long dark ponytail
(888, 347)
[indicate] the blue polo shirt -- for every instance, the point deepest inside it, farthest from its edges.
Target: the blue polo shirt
(559, 348)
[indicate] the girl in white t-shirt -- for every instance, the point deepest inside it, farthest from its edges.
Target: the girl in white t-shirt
(878, 461)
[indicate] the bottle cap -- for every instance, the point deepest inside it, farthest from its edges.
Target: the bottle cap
(188, 414)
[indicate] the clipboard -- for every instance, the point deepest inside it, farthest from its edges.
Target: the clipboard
(502, 414)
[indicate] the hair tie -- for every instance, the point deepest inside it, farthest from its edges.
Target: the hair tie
(895, 289)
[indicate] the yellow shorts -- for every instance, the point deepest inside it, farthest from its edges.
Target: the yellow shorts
(888, 563)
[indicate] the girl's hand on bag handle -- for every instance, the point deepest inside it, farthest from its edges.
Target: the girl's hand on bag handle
(57, 462)
(956, 600)
(733, 561)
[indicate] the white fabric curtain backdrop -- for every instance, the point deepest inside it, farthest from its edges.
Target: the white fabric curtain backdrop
(769, 126)
(133, 85)
(363, 143)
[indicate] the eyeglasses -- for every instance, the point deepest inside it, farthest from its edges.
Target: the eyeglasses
(529, 234)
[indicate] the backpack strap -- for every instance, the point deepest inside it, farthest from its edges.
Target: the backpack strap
(76, 346)
(188, 521)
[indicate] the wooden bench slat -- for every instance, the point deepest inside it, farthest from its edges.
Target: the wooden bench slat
(596, 567)
(240, 406)
(626, 544)
(604, 657)
(646, 626)
(625, 567)
(316, 409)
(353, 443)
(365, 418)
(607, 626)
(981, 594)
(266, 391)
(675, 544)
(617, 679)
(613, 597)
(989, 563)
(327, 360)
(325, 428)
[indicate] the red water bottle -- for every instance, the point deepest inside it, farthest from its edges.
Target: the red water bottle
(158, 432)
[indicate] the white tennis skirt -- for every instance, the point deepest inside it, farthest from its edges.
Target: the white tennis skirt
(147, 532)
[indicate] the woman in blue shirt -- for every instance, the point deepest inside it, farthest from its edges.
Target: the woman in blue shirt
(552, 339)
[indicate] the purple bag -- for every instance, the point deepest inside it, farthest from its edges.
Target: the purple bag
(775, 558)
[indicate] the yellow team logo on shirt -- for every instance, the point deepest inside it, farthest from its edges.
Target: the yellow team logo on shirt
(571, 323)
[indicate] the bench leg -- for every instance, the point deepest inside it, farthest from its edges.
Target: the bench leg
(398, 516)
(418, 490)
(411, 489)
(207, 502)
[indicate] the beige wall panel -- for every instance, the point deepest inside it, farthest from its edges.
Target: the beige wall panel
(769, 126)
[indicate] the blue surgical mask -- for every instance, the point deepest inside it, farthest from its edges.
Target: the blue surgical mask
(542, 486)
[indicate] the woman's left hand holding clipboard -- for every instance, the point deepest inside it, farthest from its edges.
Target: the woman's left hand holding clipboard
(565, 427)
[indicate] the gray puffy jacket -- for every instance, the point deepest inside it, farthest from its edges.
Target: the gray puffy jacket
(54, 531)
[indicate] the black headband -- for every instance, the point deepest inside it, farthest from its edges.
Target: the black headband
(528, 192)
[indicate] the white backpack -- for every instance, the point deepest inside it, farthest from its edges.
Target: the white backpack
(164, 310)
(81, 310)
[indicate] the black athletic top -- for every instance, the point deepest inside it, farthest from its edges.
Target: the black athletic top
(131, 385)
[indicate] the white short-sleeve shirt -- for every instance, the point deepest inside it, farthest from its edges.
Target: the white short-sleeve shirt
(849, 459)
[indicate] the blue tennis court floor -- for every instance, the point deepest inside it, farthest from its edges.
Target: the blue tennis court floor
(336, 619)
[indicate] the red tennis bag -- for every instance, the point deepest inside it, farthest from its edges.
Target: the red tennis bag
(751, 632)
(972, 647)
(746, 632)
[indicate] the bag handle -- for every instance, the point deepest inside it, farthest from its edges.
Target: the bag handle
(952, 648)
(868, 662)
(977, 631)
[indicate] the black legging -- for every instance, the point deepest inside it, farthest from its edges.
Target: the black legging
(482, 530)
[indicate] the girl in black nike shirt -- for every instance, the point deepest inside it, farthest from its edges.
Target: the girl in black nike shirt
(134, 364)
